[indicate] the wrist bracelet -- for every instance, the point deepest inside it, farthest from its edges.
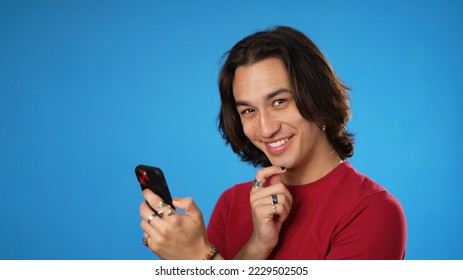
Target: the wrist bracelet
(211, 255)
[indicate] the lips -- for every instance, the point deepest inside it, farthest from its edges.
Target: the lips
(278, 143)
(278, 146)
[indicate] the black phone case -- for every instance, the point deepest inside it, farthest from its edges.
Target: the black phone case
(153, 178)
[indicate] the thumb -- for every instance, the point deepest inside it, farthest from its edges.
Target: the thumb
(189, 207)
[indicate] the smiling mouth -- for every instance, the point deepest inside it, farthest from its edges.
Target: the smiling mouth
(278, 143)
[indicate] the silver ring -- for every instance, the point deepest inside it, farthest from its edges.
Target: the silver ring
(274, 207)
(161, 204)
(274, 199)
(151, 217)
(161, 214)
(171, 212)
(257, 184)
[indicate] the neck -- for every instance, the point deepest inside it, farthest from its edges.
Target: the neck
(312, 170)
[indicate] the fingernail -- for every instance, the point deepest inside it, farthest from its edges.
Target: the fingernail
(176, 200)
(283, 168)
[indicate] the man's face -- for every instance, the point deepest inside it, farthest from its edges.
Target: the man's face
(269, 115)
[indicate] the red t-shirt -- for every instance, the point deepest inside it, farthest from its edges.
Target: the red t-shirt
(344, 215)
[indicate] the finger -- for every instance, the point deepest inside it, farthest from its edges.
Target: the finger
(275, 179)
(263, 200)
(146, 211)
(267, 192)
(189, 206)
(270, 211)
(280, 213)
(151, 198)
(267, 172)
(145, 239)
(283, 195)
(149, 229)
(285, 199)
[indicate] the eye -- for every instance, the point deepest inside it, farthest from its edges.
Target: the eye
(247, 111)
(278, 102)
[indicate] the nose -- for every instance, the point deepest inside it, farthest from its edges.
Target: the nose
(268, 125)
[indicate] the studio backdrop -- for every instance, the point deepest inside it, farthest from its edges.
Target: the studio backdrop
(90, 89)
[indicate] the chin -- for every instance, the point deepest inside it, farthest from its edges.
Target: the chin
(280, 162)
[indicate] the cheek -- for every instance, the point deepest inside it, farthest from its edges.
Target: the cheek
(248, 128)
(248, 131)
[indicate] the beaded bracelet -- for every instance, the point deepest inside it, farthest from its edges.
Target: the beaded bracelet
(211, 255)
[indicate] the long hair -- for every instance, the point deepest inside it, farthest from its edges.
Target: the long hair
(319, 94)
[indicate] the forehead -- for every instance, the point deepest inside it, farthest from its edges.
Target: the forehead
(260, 78)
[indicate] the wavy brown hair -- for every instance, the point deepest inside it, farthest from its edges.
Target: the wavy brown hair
(319, 94)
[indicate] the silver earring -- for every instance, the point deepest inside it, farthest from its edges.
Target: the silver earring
(324, 127)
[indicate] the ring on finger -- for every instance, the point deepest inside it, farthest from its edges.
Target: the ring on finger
(257, 184)
(274, 199)
(171, 212)
(274, 208)
(151, 217)
(161, 213)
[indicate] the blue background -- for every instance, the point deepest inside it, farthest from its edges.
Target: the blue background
(90, 89)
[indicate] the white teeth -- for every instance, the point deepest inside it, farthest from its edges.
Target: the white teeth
(278, 143)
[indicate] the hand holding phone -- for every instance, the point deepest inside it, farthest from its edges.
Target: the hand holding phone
(152, 178)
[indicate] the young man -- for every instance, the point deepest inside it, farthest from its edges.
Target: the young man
(284, 109)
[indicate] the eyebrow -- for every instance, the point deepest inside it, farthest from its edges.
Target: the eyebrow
(269, 96)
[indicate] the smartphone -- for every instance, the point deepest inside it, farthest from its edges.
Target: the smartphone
(152, 178)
